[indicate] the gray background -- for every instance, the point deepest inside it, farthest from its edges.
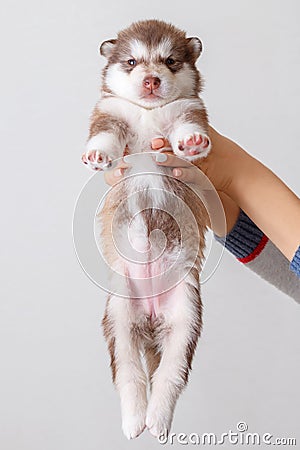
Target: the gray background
(55, 385)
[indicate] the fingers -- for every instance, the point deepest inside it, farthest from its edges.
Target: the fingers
(190, 175)
(114, 175)
(157, 143)
(170, 160)
(182, 169)
(193, 175)
(160, 143)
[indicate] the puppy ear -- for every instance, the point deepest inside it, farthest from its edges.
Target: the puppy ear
(195, 46)
(106, 48)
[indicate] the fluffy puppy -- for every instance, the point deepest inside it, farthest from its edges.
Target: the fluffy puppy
(151, 88)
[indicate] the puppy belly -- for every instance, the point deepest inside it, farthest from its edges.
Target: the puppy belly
(144, 281)
(150, 288)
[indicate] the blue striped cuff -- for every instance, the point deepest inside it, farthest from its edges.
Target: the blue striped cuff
(295, 264)
(244, 237)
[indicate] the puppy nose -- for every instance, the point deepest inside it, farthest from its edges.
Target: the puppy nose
(151, 83)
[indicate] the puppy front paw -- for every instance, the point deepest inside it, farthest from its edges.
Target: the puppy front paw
(101, 150)
(193, 146)
(96, 160)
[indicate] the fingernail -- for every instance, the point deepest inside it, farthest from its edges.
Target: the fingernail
(118, 173)
(161, 157)
(126, 159)
(158, 143)
(177, 172)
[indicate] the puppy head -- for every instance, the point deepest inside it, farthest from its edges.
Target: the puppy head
(151, 63)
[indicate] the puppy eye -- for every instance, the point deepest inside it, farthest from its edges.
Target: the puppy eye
(170, 61)
(132, 62)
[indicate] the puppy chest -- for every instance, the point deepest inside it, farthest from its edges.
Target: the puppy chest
(145, 126)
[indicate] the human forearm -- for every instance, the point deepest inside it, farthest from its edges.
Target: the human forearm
(267, 200)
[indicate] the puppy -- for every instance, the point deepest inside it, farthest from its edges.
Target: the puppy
(151, 88)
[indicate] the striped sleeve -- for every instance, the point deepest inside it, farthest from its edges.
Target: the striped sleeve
(245, 241)
(253, 248)
(295, 264)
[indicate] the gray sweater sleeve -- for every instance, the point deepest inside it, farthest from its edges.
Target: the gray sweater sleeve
(253, 248)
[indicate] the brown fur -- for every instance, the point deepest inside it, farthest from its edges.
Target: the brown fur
(198, 116)
(197, 327)
(107, 326)
(152, 356)
(101, 122)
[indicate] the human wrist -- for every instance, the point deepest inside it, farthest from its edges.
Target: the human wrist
(240, 169)
(222, 164)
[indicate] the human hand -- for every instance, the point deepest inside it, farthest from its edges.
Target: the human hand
(216, 166)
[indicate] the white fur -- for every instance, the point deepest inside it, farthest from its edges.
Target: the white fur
(130, 378)
(147, 123)
(139, 50)
(117, 81)
(167, 380)
(164, 48)
(144, 125)
(130, 85)
(102, 141)
(108, 146)
(145, 173)
(157, 412)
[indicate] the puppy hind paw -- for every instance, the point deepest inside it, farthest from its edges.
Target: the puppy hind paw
(133, 426)
(158, 424)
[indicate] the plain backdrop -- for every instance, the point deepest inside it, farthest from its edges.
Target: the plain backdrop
(55, 390)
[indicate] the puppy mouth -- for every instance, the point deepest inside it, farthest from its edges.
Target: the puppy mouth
(151, 96)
